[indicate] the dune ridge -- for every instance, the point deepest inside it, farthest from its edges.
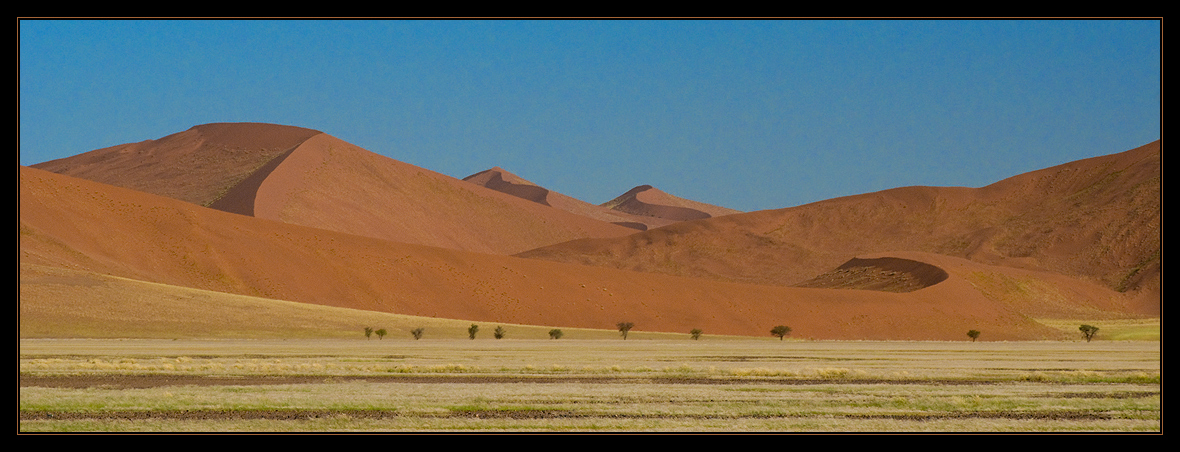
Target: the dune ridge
(648, 201)
(197, 165)
(517, 186)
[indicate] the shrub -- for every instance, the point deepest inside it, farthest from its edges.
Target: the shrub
(471, 330)
(780, 331)
(417, 333)
(624, 327)
(555, 334)
(1088, 331)
(499, 333)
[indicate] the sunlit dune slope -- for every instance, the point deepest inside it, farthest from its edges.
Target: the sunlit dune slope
(1096, 219)
(306, 177)
(78, 224)
(330, 184)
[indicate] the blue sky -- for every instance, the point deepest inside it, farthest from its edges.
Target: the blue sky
(745, 114)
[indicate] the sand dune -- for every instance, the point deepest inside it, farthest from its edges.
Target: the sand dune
(1096, 219)
(78, 224)
(302, 176)
(197, 165)
(648, 201)
(501, 180)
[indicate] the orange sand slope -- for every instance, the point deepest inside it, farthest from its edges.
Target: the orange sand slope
(74, 223)
(1096, 219)
(306, 177)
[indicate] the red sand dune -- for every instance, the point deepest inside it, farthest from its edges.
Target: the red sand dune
(500, 180)
(302, 176)
(648, 201)
(197, 165)
(1096, 219)
(75, 223)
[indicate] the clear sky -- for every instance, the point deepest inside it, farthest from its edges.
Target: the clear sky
(746, 114)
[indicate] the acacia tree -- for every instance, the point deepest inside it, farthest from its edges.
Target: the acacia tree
(696, 333)
(471, 330)
(973, 334)
(499, 333)
(780, 331)
(368, 332)
(1088, 331)
(624, 327)
(417, 332)
(381, 333)
(555, 333)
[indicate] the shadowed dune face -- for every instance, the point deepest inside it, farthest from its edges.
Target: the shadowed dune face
(1096, 219)
(494, 179)
(888, 274)
(198, 165)
(73, 223)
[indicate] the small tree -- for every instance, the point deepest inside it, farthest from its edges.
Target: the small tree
(471, 330)
(780, 331)
(368, 332)
(381, 333)
(499, 333)
(696, 333)
(973, 334)
(1088, 331)
(417, 333)
(555, 334)
(624, 327)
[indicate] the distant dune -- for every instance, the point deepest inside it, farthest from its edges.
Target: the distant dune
(302, 176)
(501, 180)
(1096, 219)
(77, 224)
(648, 201)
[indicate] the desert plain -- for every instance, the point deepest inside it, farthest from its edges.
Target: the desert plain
(222, 279)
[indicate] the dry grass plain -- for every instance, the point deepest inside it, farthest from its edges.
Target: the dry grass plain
(647, 383)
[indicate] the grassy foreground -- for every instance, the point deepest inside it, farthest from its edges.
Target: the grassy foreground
(637, 385)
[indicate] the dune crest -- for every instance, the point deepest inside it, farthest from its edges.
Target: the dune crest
(198, 165)
(648, 201)
(503, 181)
